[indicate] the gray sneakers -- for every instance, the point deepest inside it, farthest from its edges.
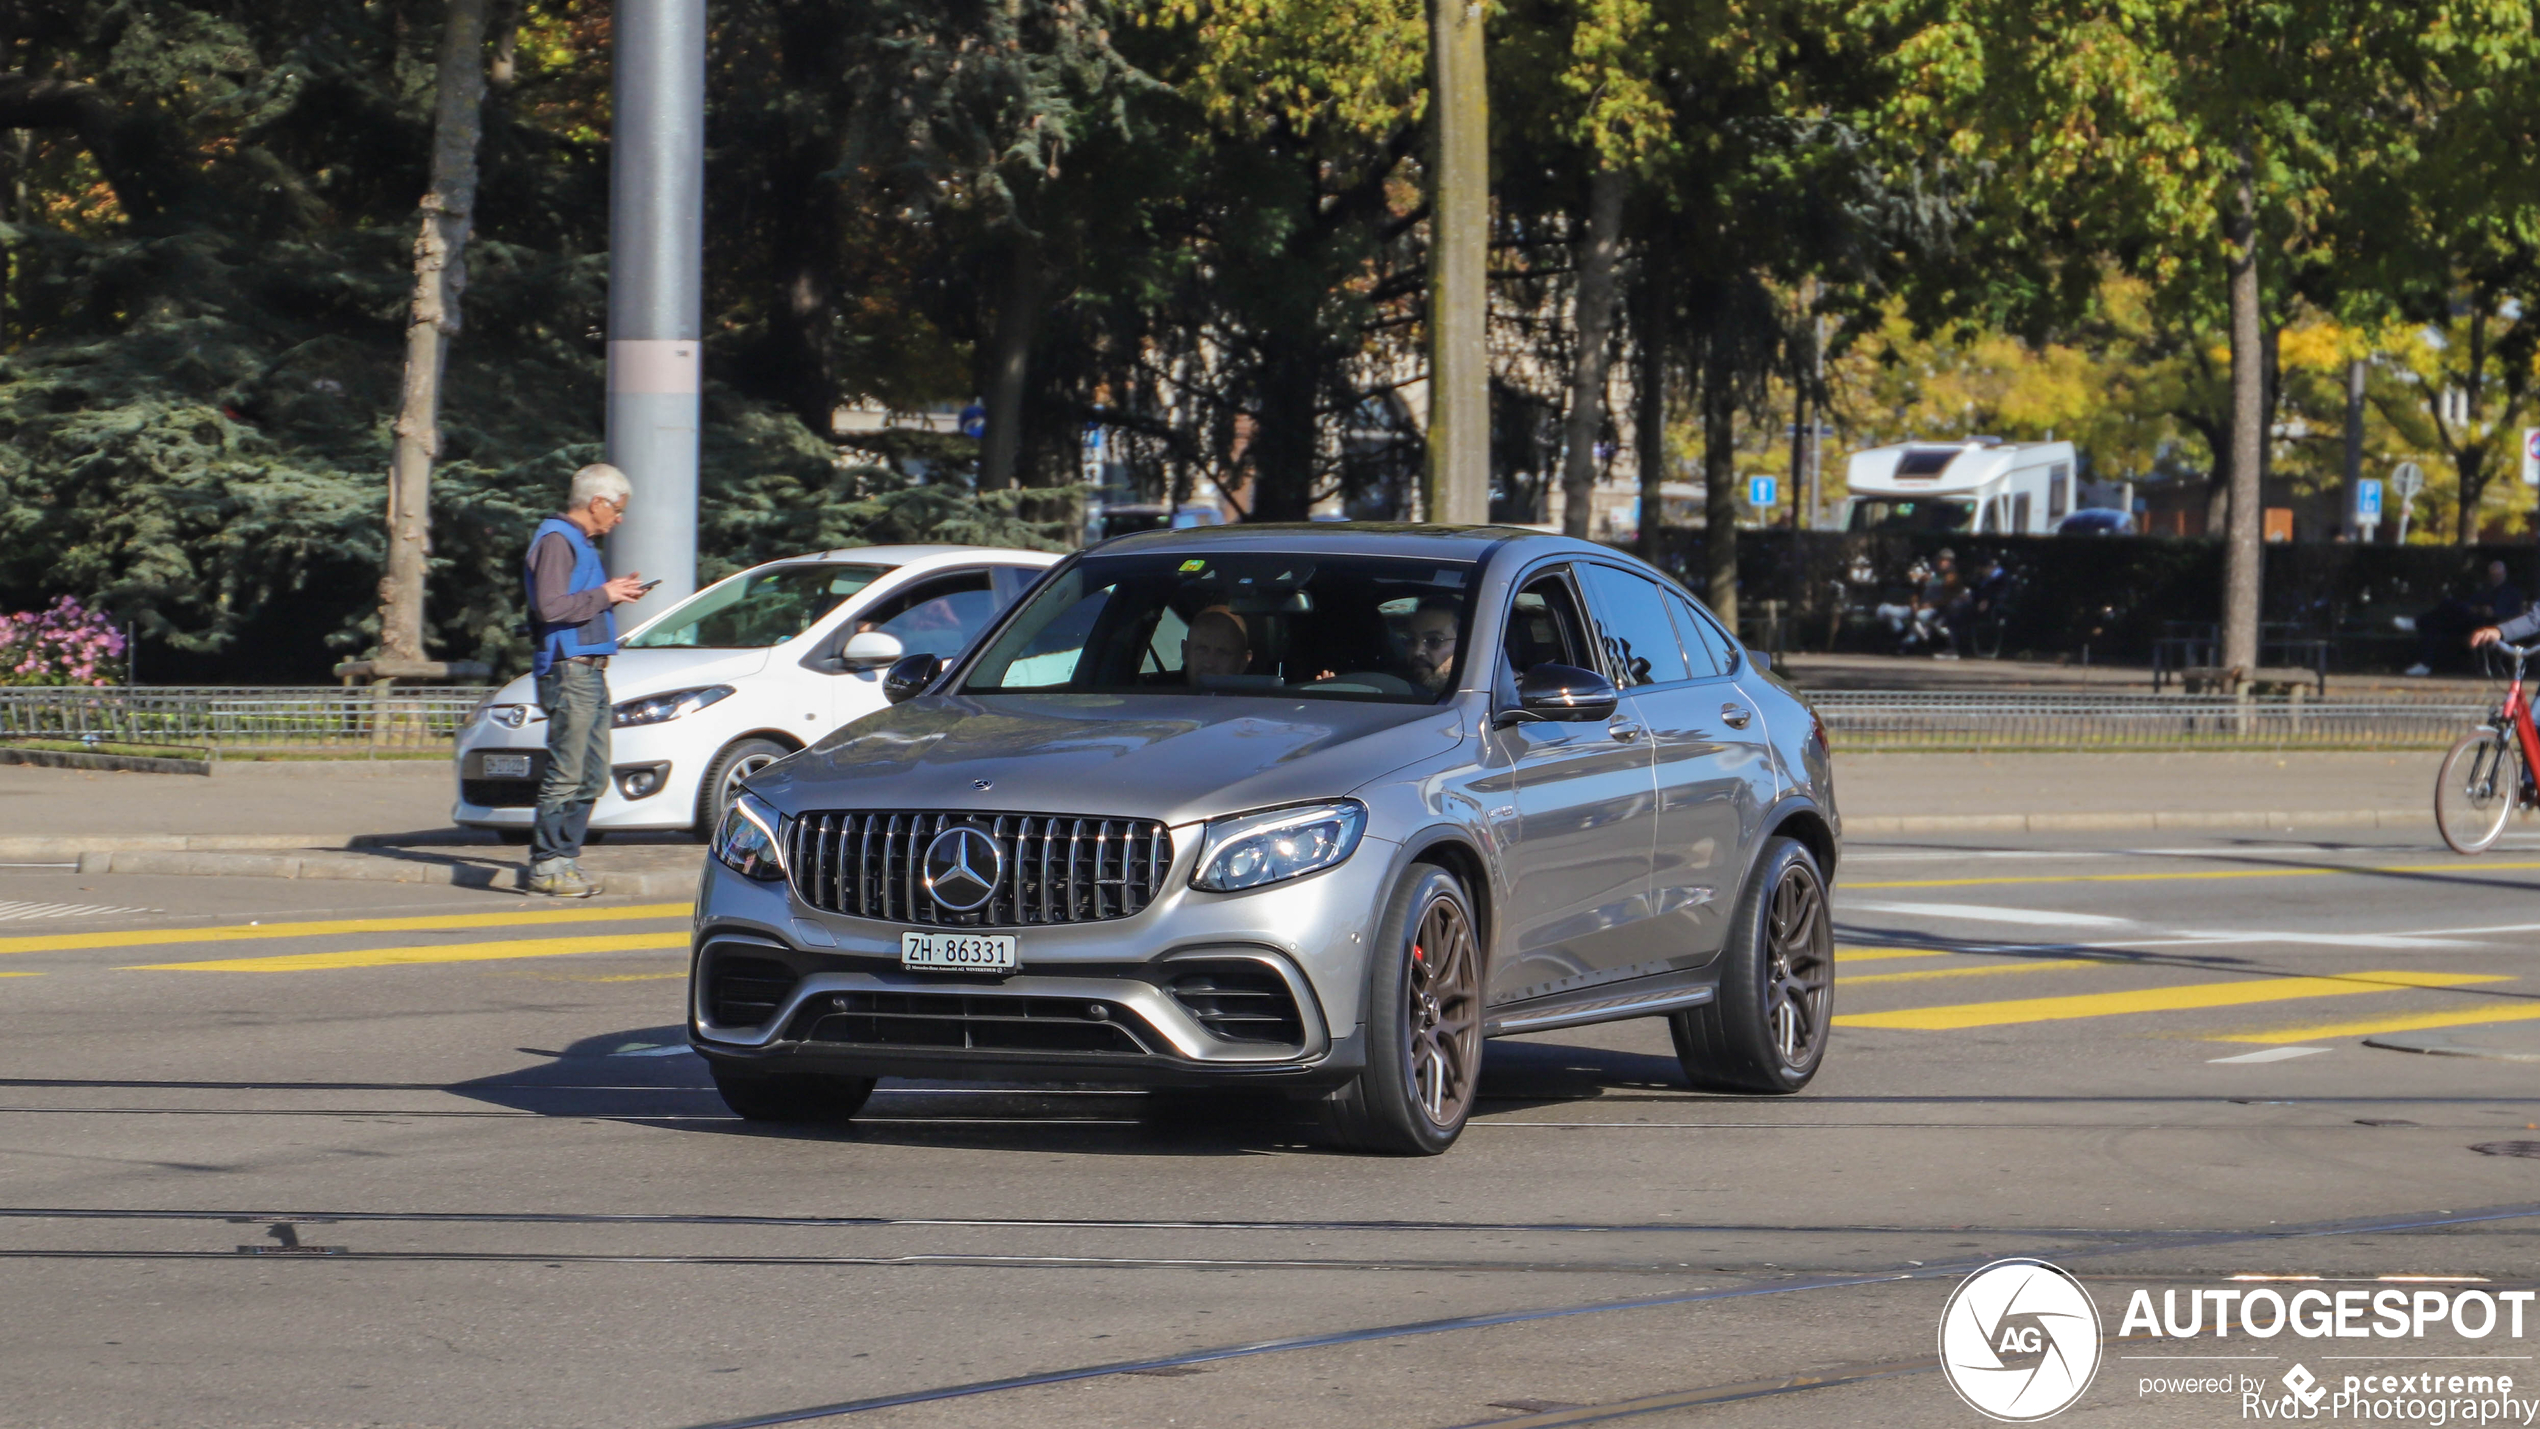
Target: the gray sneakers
(561, 878)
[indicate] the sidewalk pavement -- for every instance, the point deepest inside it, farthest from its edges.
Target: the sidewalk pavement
(390, 821)
(1811, 671)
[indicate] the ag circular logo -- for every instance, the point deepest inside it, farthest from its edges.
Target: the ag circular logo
(2019, 1341)
(962, 868)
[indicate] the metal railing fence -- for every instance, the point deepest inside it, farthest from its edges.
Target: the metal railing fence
(241, 719)
(1917, 719)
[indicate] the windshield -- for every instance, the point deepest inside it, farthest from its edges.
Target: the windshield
(1243, 623)
(762, 608)
(1918, 515)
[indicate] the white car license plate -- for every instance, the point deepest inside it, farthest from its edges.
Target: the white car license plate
(507, 766)
(959, 952)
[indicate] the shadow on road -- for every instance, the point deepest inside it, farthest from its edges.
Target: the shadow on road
(647, 1075)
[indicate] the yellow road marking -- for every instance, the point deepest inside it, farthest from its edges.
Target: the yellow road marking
(1921, 974)
(1881, 955)
(249, 933)
(2457, 866)
(2190, 997)
(2416, 1023)
(438, 953)
(21, 974)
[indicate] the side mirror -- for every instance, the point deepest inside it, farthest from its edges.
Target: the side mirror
(910, 675)
(1563, 693)
(870, 650)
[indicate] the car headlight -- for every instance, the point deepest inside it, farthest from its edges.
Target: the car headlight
(1250, 850)
(653, 709)
(746, 841)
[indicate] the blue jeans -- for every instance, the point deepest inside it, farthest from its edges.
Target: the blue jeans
(576, 699)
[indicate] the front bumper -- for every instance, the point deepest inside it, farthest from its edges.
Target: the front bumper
(671, 806)
(1093, 1001)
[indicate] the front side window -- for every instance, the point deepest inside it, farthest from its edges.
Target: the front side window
(938, 617)
(1544, 627)
(1238, 623)
(1631, 616)
(1869, 514)
(757, 610)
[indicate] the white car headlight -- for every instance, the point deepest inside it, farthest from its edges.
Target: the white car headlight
(1250, 850)
(653, 709)
(746, 841)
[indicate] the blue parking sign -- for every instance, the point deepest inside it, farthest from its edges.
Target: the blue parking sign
(2367, 499)
(1763, 491)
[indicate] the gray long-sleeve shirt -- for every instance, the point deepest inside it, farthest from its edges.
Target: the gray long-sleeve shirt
(2521, 627)
(550, 572)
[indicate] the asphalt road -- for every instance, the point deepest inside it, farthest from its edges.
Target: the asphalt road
(294, 1154)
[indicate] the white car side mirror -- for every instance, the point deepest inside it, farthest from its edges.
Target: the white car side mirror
(870, 650)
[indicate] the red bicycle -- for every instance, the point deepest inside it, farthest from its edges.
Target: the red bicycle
(2488, 774)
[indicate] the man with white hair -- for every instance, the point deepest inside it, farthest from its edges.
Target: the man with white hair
(574, 627)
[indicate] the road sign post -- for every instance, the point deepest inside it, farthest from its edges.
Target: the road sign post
(1763, 492)
(2406, 480)
(2531, 456)
(2368, 506)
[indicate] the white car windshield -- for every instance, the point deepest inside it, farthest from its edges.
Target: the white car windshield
(761, 608)
(1919, 514)
(1323, 626)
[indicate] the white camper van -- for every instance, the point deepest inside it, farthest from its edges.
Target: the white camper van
(1982, 486)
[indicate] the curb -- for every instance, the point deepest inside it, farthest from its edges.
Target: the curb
(375, 869)
(121, 763)
(2135, 822)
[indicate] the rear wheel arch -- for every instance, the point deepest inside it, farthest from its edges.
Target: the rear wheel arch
(1812, 831)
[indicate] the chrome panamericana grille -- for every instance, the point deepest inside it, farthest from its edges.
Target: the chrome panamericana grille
(1058, 869)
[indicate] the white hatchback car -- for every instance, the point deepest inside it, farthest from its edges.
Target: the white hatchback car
(740, 675)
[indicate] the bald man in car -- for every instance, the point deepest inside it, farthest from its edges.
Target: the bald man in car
(1218, 644)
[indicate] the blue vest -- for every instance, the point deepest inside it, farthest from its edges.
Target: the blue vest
(557, 642)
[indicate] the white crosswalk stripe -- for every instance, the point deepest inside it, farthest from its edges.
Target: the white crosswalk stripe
(14, 911)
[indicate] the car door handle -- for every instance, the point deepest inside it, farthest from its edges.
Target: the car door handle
(1623, 731)
(1736, 715)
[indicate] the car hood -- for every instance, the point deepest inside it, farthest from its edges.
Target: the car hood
(636, 673)
(1170, 757)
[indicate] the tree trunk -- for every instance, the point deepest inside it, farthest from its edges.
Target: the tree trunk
(1719, 478)
(2244, 556)
(1458, 488)
(2469, 463)
(1807, 372)
(2354, 471)
(1649, 390)
(1587, 373)
(1009, 367)
(1282, 449)
(440, 279)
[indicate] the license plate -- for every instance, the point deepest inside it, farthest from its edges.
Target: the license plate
(958, 952)
(507, 766)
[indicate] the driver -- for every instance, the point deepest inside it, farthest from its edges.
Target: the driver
(1218, 643)
(1428, 641)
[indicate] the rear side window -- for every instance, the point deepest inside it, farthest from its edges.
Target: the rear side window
(1632, 624)
(1703, 640)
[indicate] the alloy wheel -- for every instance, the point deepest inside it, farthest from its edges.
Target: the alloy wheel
(1799, 968)
(1443, 1009)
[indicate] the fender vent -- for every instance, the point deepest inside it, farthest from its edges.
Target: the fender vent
(1239, 1001)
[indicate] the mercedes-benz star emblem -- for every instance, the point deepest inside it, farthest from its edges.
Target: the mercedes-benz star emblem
(963, 868)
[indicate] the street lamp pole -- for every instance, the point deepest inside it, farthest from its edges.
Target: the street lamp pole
(1459, 249)
(656, 266)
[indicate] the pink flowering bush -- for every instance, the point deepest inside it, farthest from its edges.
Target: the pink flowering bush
(64, 644)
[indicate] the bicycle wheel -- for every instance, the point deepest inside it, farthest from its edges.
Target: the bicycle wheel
(2476, 790)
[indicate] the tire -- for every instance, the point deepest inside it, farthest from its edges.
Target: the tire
(737, 761)
(1423, 1020)
(791, 1098)
(1766, 1031)
(2476, 789)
